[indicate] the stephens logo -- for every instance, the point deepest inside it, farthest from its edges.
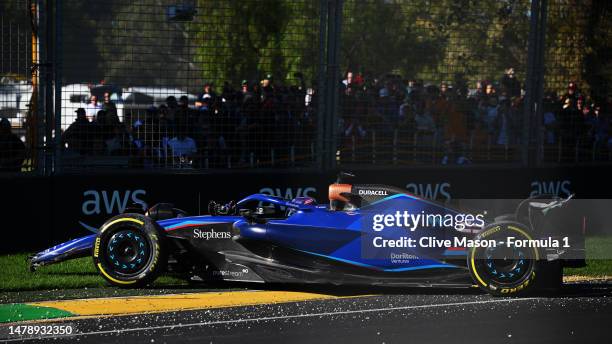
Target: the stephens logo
(372, 193)
(207, 235)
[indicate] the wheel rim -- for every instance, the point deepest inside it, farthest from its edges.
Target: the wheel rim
(505, 265)
(127, 251)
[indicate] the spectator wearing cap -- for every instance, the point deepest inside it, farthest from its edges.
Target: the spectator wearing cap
(12, 149)
(571, 93)
(245, 93)
(267, 85)
(77, 138)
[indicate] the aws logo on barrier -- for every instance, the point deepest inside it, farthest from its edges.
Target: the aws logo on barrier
(431, 191)
(550, 187)
(108, 203)
(290, 193)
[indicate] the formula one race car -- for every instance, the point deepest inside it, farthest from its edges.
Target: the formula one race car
(367, 234)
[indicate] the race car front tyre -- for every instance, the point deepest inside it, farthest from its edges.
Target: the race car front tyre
(504, 270)
(129, 250)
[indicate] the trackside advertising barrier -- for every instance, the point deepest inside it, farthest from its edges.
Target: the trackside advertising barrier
(41, 211)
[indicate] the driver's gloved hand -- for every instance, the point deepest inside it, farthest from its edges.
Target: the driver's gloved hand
(221, 209)
(227, 208)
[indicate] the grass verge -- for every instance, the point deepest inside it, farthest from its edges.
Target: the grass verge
(598, 259)
(81, 273)
(72, 274)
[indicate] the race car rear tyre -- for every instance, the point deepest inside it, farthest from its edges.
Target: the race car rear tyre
(129, 250)
(504, 270)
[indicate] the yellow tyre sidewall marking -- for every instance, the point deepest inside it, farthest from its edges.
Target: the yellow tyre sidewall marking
(120, 220)
(111, 278)
(474, 252)
(97, 247)
(474, 269)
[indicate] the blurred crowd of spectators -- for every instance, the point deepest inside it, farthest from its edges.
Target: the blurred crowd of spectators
(268, 123)
(263, 123)
(464, 123)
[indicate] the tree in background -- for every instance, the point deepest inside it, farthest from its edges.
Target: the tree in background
(578, 41)
(134, 42)
(436, 40)
(249, 39)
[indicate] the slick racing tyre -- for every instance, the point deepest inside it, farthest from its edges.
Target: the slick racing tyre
(504, 270)
(129, 250)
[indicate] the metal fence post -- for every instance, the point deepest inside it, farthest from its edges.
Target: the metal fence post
(57, 72)
(320, 91)
(48, 85)
(540, 78)
(534, 83)
(335, 78)
(529, 87)
(334, 23)
(37, 102)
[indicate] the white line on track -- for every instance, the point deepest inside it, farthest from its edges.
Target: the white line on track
(283, 317)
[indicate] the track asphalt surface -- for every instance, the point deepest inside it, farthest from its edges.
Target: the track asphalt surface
(581, 313)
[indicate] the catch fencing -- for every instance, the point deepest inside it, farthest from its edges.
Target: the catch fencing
(196, 85)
